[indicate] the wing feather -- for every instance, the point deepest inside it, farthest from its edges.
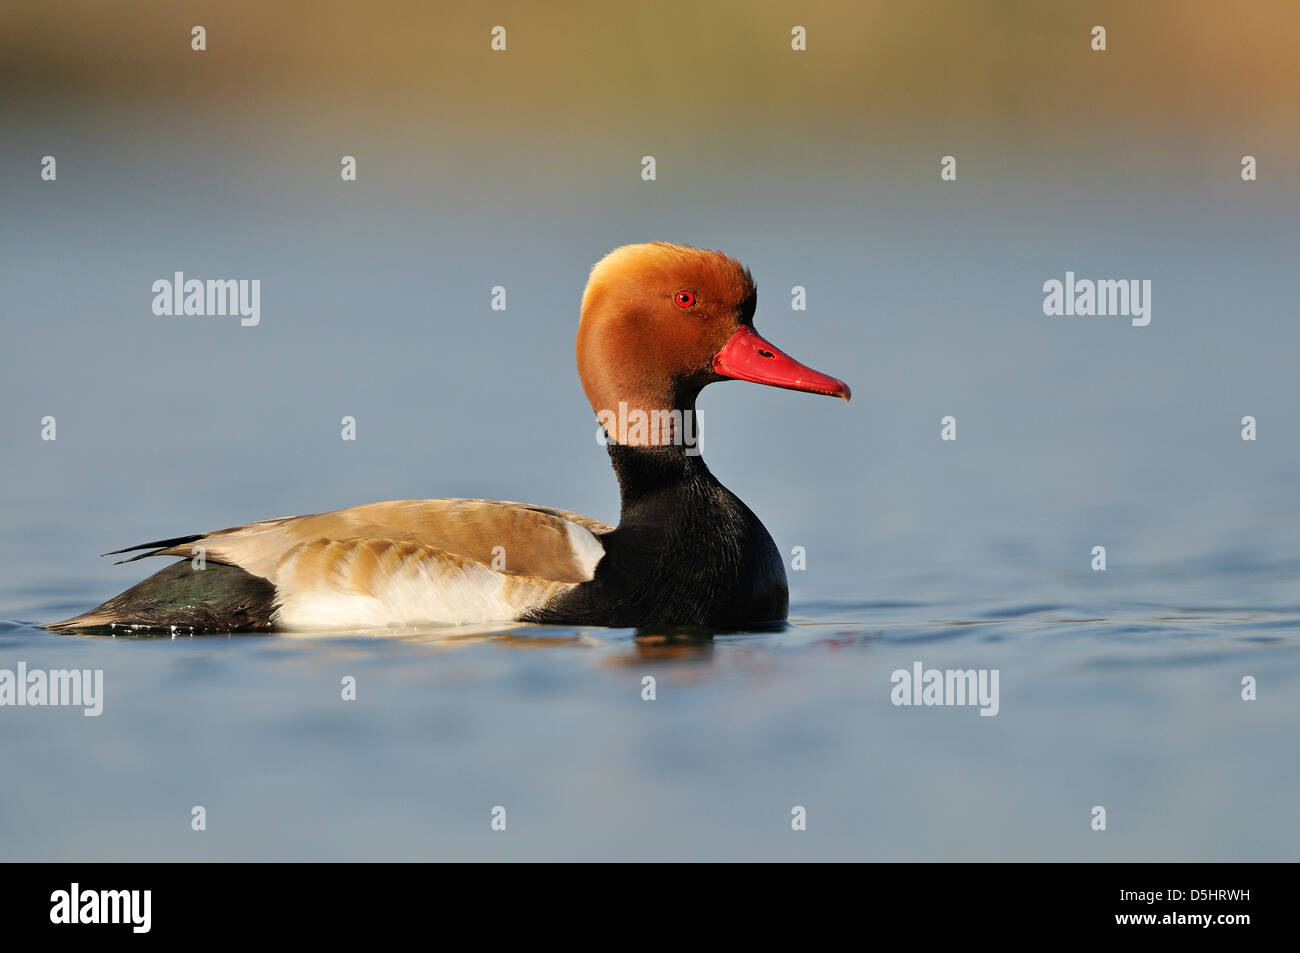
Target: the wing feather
(512, 538)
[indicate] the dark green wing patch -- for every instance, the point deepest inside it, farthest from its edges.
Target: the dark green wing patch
(218, 598)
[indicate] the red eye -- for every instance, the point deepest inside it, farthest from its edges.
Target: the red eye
(685, 299)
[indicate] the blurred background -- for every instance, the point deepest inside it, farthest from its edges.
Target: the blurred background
(818, 168)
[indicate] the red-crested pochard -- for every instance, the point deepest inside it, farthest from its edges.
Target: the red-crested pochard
(659, 322)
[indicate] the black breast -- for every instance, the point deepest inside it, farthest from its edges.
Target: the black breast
(686, 551)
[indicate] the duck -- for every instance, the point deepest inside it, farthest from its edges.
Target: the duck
(658, 323)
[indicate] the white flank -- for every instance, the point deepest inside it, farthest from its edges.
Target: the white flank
(419, 593)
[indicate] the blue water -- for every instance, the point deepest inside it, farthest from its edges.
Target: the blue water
(1119, 689)
(1137, 711)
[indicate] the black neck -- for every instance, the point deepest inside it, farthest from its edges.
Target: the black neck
(651, 476)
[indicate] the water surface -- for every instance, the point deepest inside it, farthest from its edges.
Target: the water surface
(1119, 689)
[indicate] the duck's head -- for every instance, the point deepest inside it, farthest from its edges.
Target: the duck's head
(660, 321)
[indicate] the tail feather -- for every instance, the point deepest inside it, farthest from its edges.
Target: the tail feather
(158, 545)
